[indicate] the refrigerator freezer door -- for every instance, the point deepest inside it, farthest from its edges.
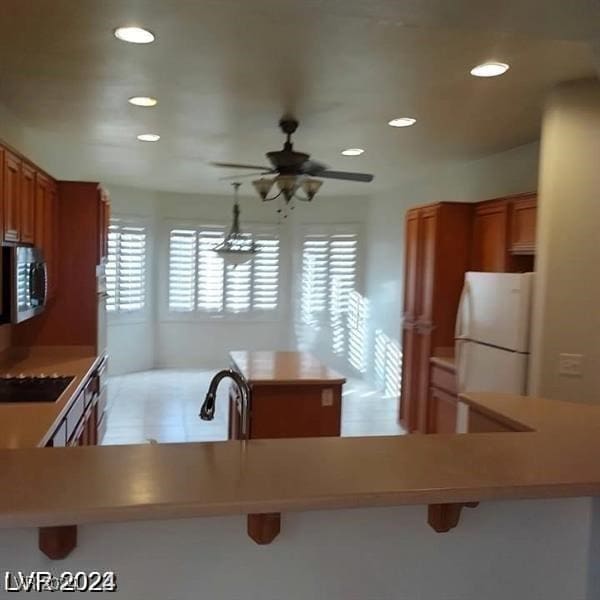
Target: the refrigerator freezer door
(495, 309)
(482, 368)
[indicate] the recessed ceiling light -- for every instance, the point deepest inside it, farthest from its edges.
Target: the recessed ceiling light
(352, 152)
(402, 122)
(148, 137)
(143, 101)
(490, 69)
(134, 35)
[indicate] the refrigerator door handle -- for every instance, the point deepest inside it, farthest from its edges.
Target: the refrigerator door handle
(461, 331)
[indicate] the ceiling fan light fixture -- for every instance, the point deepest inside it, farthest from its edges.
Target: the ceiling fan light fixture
(263, 186)
(311, 187)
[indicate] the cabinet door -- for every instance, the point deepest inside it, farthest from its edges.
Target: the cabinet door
(103, 225)
(523, 225)
(409, 338)
(46, 223)
(27, 204)
(443, 410)
(427, 241)
(490, 237)
(12, 191)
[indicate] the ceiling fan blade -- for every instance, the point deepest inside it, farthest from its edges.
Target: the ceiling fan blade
(366, 177)
(313, 167)
(236, 166)
(234, 177)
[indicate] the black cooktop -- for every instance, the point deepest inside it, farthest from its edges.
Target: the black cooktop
(32, 389)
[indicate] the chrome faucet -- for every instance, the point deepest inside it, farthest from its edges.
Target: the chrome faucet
(207, 411)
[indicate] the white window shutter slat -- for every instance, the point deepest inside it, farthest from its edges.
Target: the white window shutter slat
(126, 266)
(199, 281)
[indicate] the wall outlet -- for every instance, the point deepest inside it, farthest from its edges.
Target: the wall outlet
(570, 365)
(327, 397)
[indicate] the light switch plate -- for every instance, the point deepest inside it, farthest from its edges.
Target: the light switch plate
(570, 365)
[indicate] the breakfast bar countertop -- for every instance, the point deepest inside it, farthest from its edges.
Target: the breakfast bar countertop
(31, 424)
(281, 368)
(68, 486)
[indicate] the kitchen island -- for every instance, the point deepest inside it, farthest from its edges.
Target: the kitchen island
(292, 395)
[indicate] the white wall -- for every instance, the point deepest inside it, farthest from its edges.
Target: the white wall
(567, 309)
(523, 550)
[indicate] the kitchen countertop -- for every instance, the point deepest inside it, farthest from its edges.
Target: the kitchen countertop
(281, 368)
(28, 425)
(60, 486)
(444, 357)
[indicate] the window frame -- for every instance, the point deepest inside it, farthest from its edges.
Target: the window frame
(198, 316)
(140, 315)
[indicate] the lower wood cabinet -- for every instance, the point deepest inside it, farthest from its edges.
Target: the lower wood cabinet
(442, 411)
(80, 426)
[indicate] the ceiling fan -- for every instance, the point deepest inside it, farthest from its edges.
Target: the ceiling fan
(293, 170)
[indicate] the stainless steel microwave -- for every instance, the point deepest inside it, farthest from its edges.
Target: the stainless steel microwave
(24, 283)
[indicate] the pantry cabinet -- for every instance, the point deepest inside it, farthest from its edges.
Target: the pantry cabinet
(437, 255)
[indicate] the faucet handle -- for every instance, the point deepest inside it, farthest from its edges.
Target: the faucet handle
(207, 411)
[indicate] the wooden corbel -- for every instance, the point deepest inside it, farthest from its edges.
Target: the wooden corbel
(263, 528)
(444, 517)
(57, 542)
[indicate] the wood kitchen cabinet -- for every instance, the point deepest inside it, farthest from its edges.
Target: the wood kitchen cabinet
(490, 237)
(27, 204)
(46, 225)
(103, 224)
(504, 233)
(523, 224)
(437, 256)
(11, 196)
(443, 398)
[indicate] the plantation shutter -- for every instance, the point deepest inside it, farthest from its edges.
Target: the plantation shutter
(329, 275)
(199, 280)
(126, 266)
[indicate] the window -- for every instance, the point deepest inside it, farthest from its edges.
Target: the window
(329, 274)
(200, 281)
(126, 266)
(329, 280)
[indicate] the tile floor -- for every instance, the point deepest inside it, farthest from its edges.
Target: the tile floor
(163, 405)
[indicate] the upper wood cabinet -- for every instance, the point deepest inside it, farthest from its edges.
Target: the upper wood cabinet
(11, 196)
(490, 236)
(437, 255)
(46, 225)
(103, 224)
(523, 224)
(26, 222)
(504, 234)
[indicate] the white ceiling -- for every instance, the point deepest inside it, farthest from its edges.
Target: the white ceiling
(224, 72)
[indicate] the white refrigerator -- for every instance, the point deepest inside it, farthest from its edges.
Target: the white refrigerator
(492, 335)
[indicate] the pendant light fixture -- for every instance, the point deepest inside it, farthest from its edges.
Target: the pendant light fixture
(238, 247)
